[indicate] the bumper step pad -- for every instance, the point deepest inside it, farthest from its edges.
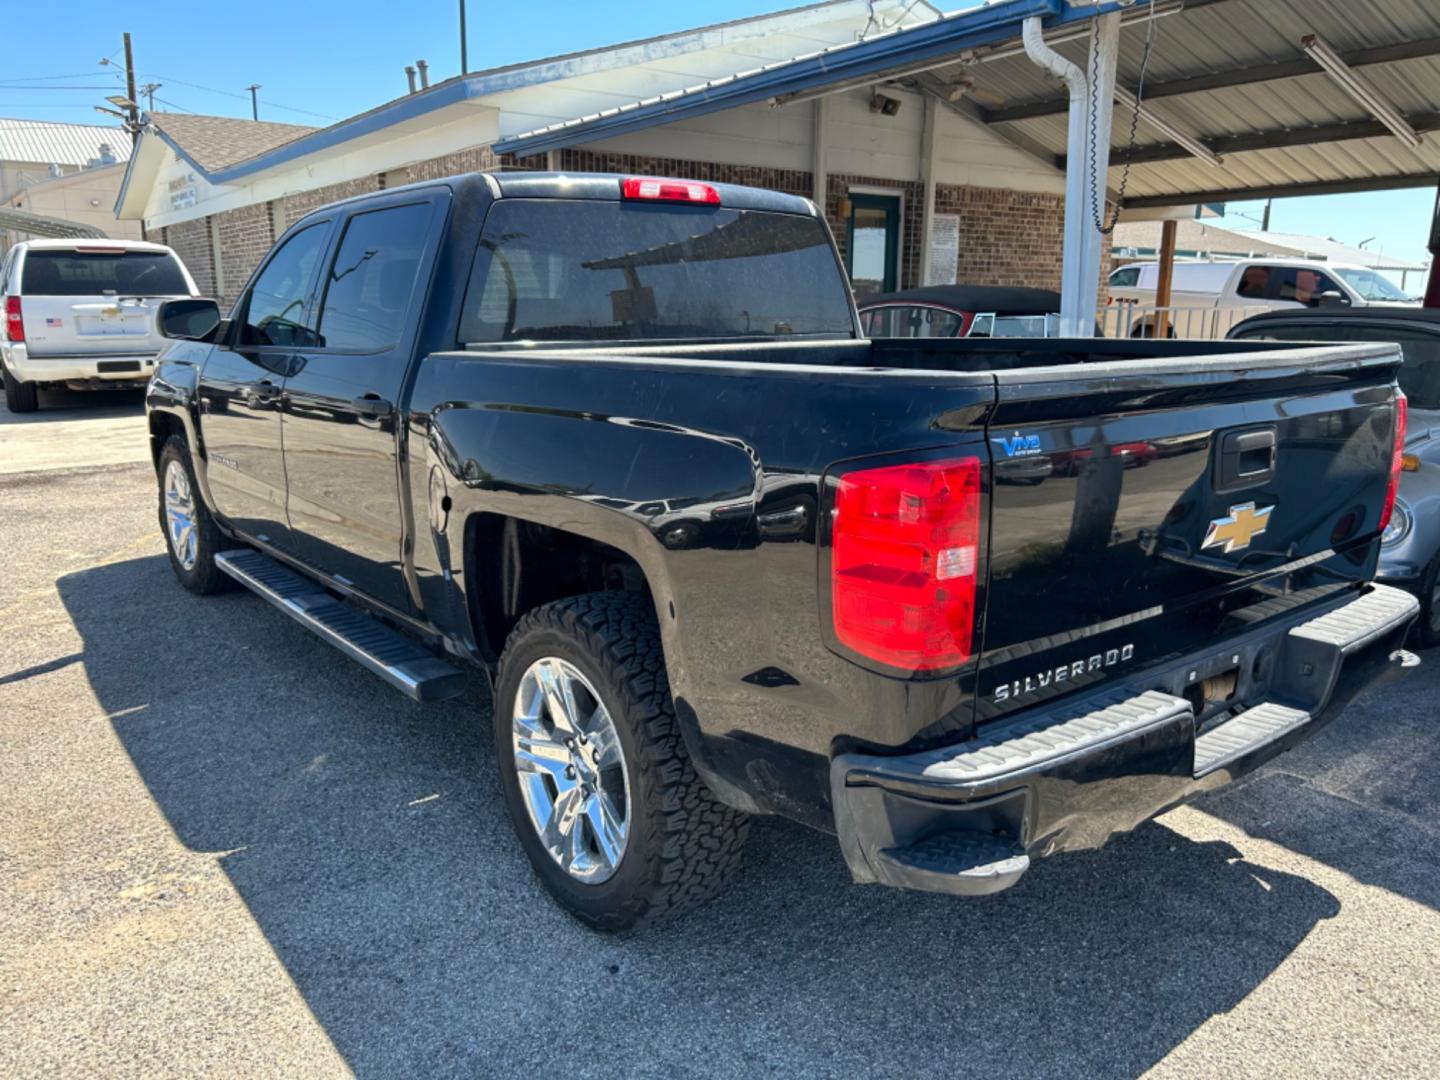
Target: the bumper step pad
(404, 663)
(960, 862)
(1242, 734)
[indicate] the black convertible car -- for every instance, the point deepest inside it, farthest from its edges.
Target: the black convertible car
(955, 311)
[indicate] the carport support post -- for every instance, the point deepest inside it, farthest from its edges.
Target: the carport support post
(1166, 275)
(1084, 194)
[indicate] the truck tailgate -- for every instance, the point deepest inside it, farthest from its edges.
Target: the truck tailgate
(1143, 508)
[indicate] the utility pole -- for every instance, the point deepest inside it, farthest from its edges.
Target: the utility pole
(133, 110)
(1265, 218)
(254, 101)
(464, 59)
(149, 91)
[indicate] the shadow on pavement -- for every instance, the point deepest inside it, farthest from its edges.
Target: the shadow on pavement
(64, 404)
(1361, 796)
(369, 841)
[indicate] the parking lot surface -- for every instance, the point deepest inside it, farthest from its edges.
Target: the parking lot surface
(226, 850)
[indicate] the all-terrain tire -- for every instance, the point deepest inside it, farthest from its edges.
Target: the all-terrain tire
(202, 576)
(19, 396)
(683, 843)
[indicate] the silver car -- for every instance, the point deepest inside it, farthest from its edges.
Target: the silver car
(1410, 547)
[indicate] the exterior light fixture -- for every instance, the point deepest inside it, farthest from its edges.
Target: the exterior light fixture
(1126, 100)
(1361, 91)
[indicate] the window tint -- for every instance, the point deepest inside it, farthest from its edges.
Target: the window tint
(1126, 278)
(98, 273)
(913, 321)
(556, 270)
(367, 292)
(275, 311)
(1302, 286)
(1253, 282)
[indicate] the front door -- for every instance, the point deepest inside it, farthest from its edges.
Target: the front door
(343, 426)
(872, 244)
(241, 384)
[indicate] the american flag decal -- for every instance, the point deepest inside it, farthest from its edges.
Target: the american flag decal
(54, 322)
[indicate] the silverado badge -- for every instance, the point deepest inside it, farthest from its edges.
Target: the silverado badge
(1236, 529)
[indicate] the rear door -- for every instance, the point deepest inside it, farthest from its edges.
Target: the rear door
(342, 397)
(243, 379)
(97, 299)
(1180, 506)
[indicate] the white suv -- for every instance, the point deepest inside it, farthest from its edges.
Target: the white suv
(82, 313)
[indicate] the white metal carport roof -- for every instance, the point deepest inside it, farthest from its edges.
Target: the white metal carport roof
(1233, 74)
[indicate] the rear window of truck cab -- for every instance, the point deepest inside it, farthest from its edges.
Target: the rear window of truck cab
(587, 270)
(100, 272)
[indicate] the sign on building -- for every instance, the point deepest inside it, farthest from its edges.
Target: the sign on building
(183, 192)
(944, 249)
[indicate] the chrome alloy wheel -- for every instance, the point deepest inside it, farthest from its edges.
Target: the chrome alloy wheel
(180, 515)
(571, 770)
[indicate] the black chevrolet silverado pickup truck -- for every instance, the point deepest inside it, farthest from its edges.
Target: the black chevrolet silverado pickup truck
(618, 442)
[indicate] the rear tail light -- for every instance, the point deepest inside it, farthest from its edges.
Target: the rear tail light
(657, 190)
(1397, 458)
(905, 545)
(14, 324)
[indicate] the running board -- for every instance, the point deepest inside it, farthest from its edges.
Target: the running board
(402, 662)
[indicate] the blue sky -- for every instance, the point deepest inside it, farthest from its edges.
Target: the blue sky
(331, 59)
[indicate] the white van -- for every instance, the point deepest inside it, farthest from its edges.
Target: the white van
(1207, 298)
(82, 313)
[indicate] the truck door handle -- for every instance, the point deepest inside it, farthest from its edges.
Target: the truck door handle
(371, 406)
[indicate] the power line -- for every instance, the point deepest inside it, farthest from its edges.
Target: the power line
(48, 78)
(234, 94)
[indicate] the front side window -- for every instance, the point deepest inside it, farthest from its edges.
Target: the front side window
(592, 270)
(275, 310)
(1302, 286)
(367, 292)
(1125, 278)
(102, 272)
(912, 321)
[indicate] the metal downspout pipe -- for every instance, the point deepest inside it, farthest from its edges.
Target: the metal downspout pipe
(1080, 273)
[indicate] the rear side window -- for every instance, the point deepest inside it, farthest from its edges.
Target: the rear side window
(911, 320)
(579, 270)
(1254, 280)
(368, 289)
(102, 273)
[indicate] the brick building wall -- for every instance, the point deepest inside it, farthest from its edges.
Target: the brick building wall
(1006, 237)
(243, 236)
(191, 241)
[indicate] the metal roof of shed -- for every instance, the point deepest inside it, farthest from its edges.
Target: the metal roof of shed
(43, 142)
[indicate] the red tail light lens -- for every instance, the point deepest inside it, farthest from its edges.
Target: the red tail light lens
(905, 546)
(1397, 459)
(14, 324)
(654, 189)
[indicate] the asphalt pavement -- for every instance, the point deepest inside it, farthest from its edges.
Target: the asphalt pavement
(225, 850)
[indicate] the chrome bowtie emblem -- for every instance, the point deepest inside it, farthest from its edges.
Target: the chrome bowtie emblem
(1235, 531)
